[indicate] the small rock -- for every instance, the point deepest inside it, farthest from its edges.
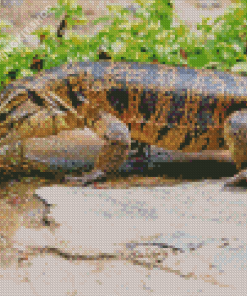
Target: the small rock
(208, 4)
(9, 3)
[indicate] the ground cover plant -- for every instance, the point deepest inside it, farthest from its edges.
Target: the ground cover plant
(144, 33)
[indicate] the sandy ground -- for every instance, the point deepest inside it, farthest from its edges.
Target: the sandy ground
(185, 239)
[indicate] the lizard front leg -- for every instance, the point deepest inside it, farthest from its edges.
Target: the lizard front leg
(235, 133)
(114, 153)
(44, 123)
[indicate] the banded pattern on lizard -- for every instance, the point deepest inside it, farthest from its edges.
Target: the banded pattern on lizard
(170, 107)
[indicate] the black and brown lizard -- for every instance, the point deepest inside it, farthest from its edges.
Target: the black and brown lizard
(174, 108)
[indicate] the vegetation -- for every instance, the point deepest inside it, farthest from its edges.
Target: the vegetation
(144, 34)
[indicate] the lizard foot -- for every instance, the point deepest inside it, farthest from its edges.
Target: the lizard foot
(241, 177)
(86, 179)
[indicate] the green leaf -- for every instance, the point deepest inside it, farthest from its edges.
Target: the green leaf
(78, 11)
(198, 59)
(5, 24)
(59, 12)
(115, 8)
(102, 19)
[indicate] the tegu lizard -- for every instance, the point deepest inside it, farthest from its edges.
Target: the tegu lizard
(170, 107)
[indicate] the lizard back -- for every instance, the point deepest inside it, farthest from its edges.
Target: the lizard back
(171, 107)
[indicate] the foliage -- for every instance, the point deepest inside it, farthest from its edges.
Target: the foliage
(145, 34)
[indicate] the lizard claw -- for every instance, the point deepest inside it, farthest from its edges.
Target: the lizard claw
(236, 179)
(80, 180)
(86, 179)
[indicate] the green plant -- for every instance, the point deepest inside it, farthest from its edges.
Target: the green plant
(144, 35)
(16, 61)
(225, 41)
(135, 39)
(146, 38)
